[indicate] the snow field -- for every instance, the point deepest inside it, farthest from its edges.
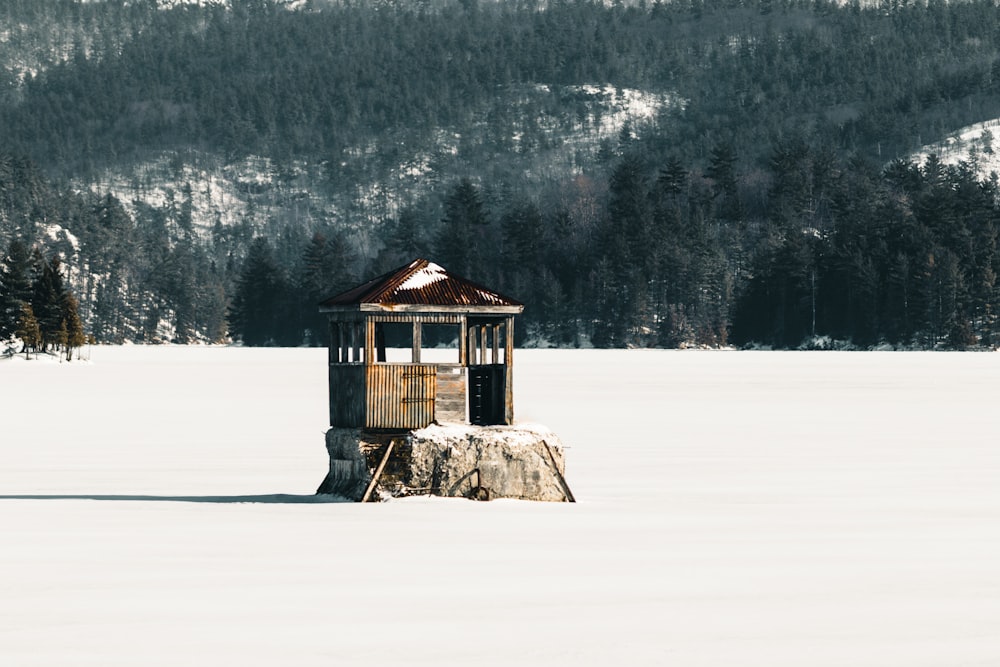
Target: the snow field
(735, 508)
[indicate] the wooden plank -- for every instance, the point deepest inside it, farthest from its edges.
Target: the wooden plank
(417, 331)
(331, 341)
(341, 358)
(378, 472)
(347, 395)
(449, 401)
(509, 371)
(369, 342)
(463, 353)
(559, 475)
(359, 341)
(496, 343)
(482, 345)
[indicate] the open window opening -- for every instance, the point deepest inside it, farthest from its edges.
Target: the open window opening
(347, 342)
(487, 343)
(416, 343)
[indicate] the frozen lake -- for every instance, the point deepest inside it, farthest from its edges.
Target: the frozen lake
(734, 508)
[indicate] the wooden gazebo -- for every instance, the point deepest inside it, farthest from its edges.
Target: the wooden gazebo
(414, 381)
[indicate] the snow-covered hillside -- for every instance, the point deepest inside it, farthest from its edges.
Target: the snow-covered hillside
(734, 508)
(258, 190)
(979, 144)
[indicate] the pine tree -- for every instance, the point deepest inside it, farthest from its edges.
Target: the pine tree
(28, 330)
(15, 286)
(326, 270)
(257, 312)
(462, 240)
(75, 337)
(47, 298)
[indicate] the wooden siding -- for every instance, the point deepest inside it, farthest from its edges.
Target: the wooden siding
(450, 400)
(400, 395)
(347, 395)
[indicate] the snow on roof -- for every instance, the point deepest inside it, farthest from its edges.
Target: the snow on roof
(428, 275)
(422, 283)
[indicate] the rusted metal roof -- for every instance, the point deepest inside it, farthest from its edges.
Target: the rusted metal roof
(421, 283)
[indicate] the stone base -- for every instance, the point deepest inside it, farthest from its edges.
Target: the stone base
(482, 462)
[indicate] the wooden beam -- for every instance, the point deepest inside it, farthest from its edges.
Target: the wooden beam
(482, 343)
(369, 341)
(496, 343)
(331, 330)
(559, 475)
(509, 371)
(381, 467)
(356, 341)
(463, 353)
(417, 334)
(379, 343)
(422, 308)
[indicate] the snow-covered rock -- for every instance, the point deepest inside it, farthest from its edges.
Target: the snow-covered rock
(482, 462)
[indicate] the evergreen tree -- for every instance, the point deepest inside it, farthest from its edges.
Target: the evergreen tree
(405, 240)
(28, 330)
(326, 270)
(74, 335)
(48, 295)
(462, 241)
(259, 314)
(15, 286)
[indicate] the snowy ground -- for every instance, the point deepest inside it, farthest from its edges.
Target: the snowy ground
(735, 508)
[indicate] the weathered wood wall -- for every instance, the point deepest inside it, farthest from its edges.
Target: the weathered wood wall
(347, 395)
(400, 395)
(450, 400)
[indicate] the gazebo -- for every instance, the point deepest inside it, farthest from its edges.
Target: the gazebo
(450, 357)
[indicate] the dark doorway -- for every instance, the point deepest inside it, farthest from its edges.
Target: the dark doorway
(486, 394)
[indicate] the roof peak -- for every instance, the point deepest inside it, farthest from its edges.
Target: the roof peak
(422, 283)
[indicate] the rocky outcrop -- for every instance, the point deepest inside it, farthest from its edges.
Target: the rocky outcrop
(483, 462)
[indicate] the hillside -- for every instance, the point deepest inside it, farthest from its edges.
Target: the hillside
(632, 172)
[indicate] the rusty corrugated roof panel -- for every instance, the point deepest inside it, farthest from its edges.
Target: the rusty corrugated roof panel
(420, 283)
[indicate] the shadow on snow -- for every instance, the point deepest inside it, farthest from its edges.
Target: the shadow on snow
(272, 498)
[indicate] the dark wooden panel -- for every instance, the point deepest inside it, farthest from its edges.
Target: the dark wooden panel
(347, 395)
(487, 394)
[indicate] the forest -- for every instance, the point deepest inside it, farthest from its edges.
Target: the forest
(778, 206)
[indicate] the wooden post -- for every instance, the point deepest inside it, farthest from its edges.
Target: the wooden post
(482, 344)
(463, 354)
(496, 343)
(559, 475)
(381, 467)
(509, 371)
(417, 333)
(379, 343)
(358, 334)
(369, 341)
(331, 342)
(341, 343)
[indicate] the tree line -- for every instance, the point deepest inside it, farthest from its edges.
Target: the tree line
(814, 252)
(36, 306)
(774, 205)
(651, 253)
